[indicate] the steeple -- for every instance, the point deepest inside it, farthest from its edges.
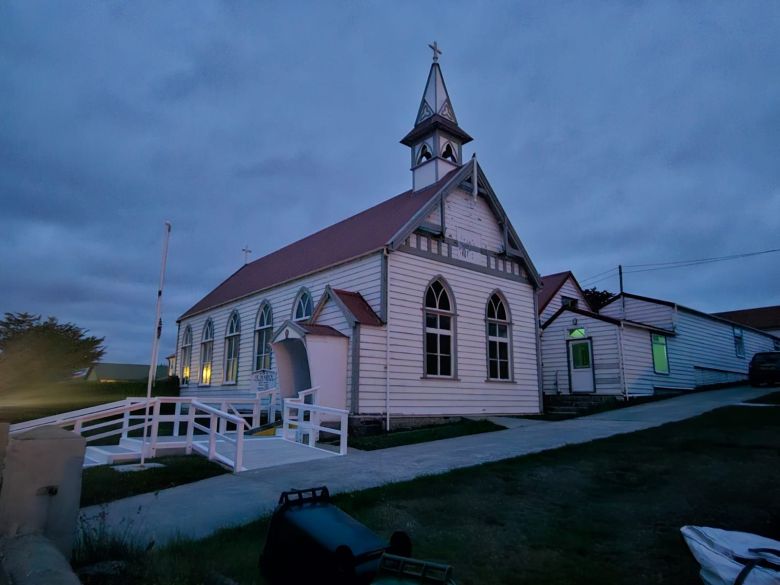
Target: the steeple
(436, 140)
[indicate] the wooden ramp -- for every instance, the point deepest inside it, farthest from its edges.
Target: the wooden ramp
(264, 452)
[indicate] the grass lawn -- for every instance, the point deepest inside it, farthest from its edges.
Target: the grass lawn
(31, 403)
(771, 398)
(603, 512)
(103, 484)
(424, 434)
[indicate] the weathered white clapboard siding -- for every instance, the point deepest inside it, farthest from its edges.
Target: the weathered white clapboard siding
(649, 313)
(703, 346)
(568, 289)
(332, 316)
(410, 393)
(362, 275)
(605, 343)
(372, 390)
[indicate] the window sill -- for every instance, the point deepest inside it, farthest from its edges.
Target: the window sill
(496, 381)
(229, 383)
(446, 378)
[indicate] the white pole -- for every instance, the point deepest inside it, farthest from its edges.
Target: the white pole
(474, 185)
(155, 339)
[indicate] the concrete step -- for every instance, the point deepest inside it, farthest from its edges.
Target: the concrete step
(109, 454)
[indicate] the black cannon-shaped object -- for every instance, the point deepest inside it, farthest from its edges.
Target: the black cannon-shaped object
(312, 541)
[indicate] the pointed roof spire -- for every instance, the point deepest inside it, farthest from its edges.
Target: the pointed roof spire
(435, 107)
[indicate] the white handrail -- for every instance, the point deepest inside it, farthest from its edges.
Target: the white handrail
(312, 426)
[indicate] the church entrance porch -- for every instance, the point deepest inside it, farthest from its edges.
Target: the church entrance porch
(312, 356)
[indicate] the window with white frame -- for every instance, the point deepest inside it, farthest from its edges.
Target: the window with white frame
(303, 306)
(186, 355)
(232, 344)
(739, 342)
(439, 328)
(263, 331)
(206, 353)
(498, 339)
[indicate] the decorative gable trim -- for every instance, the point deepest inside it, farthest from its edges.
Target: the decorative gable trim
(329, 295)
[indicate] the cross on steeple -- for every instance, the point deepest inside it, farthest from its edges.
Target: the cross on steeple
(436, 51)
(246, 252)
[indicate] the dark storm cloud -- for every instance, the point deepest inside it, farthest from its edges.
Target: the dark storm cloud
(614, 133)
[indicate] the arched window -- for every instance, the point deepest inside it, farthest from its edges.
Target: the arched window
(439, 331)
(424, 154)
(303, 307)
(499, 333)
(186, 355)
(232, 343)
(449, 153)
(206, 352)
(263, 331)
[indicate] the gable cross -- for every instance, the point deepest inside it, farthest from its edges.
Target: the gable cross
(246, 252)
(436, 51)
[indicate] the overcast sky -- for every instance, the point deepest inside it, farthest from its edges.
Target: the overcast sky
(625, 132)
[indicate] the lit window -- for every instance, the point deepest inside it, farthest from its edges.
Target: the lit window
(739, 342)
(439, 325)
(424, 154)
(303, 306)
(186, 355)
(232, 344)
(206, 352)
(263, 331)
(660, 355)
(499, 339)
(577, 333)
(580, 355)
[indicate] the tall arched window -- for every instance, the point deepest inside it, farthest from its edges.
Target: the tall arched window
(499, 332)
(439, 331)
(186, 355)
(263, 331)
(206, 352)
(232, 343)
(303, 306)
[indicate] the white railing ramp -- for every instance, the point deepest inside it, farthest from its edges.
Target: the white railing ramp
(215, 427)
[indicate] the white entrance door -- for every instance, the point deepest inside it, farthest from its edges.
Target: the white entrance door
(581, 365)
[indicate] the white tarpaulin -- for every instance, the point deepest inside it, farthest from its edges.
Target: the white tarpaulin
(729, 558)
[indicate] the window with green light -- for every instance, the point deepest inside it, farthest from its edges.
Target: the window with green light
(576, 333)
(580, 355)
(660, 355)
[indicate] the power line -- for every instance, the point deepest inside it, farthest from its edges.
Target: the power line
(584, 280)
(678, 263)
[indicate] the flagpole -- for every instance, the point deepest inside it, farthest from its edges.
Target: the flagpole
(155, 339)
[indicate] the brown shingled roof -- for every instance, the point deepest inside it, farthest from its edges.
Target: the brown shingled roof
(359, 307)
(351, 238)
(551, 284)
(758, 318)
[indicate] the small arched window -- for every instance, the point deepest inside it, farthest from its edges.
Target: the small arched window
(206, 353)
(499, 343)
(303, 306)
(439, 331)
(424, 154)
(186, 355)
(449, 153)
(263, 331)
(232, 344)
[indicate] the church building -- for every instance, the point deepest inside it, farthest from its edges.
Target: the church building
(424, 305)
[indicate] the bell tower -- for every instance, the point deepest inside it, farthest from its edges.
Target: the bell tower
(436, 141)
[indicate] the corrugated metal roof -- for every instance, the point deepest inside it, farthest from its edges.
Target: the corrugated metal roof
(351, 238)
(758, 318)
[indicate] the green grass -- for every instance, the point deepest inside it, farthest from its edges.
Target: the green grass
(771, 398)
(424, 434)
(103, 484)
(31, 403)
(607, 511)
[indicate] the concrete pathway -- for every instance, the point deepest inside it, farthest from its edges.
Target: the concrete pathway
(198, 509)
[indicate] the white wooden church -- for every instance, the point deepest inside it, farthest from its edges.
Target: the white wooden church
(424, 305)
